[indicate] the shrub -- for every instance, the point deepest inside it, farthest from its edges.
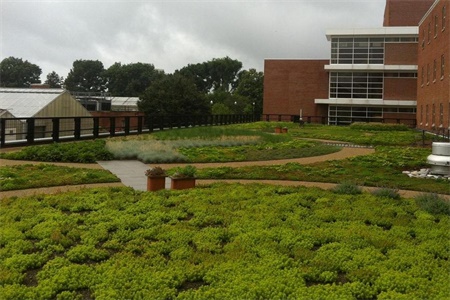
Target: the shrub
(378, 127)
(188, 171)
(433, 203)
(77, 152)
(386, 193)
(347, 188)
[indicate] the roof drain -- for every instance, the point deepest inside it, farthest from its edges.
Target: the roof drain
(440, 159)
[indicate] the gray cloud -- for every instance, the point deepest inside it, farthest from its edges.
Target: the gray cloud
(173, 34)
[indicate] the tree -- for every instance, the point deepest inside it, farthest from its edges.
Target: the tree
(54, 80)
(224, 73)
(219, 74)
(14, 72)
(223, 103)
(86, 76)
(173, 94)
(130, 80)
(251, 85)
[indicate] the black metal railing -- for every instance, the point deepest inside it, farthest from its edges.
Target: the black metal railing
(335, 120)
(27, 131)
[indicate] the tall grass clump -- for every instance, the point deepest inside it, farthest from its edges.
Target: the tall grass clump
(215, 133)
(386, 193)
(149, 151)
(433, 203)
(164, 151)
(347, 188)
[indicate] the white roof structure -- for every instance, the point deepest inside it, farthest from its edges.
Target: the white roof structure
(25, 103)
(124, 102)
(412, 31)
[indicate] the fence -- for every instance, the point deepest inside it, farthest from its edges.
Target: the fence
(28, 131)
(332, 120)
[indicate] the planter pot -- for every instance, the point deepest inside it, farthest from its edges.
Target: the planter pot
(182, 183)
(277, 129)
(156, 183)
(284, 130)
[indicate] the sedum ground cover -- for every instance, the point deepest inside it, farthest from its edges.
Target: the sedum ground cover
(222, 242)
(45, 175)
(380, 169)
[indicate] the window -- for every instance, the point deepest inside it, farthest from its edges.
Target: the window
(360, 85)
(422, 75)
(434, 70)
(429, 32)
(421, 114)
(442, 66)
(357, 50)
(428, 73)
(423, 38)
(436, 21)
(433, 116)
(400, 75)
(426, 115)
(441, 114)
(444, 15)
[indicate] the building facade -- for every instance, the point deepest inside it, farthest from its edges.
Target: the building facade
(292, 85)
(373, 74)
(405, 12)
(433, 86)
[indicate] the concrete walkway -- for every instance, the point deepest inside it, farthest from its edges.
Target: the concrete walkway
(130, 172)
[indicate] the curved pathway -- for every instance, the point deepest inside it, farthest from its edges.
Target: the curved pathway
(342, 154)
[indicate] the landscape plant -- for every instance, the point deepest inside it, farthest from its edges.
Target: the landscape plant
(77, 152)
(347, 188)
(380, 169)
(187, 171)
(386, 193)
(46, 175)
(433, 203)
(224, 241)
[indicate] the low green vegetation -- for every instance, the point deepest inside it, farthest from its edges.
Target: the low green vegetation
(380, 169)
(77, 152)
(214, 144)
(222, 242)
(433, 204)
(347, 188)
(46, 175)
(395, 145)
(373, 134)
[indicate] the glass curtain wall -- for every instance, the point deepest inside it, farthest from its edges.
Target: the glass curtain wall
(357, 50)
(359, 85)
(342, 114)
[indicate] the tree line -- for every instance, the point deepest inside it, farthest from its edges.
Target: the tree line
(218, 86)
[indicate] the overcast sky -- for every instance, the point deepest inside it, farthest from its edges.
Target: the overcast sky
(172, 34)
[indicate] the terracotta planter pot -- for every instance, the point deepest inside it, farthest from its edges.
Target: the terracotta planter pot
(277, 129)
(182, 183)
(156, 183)
(284, 130)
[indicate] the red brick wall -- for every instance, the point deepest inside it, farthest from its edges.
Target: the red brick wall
(405, 12)
(400, 89)
(400, 54)
(119, 116)
(437, 91)
(291, 85)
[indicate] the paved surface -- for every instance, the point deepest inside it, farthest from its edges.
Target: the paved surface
(130, 172)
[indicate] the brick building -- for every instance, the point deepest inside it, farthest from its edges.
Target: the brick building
(405, 12)
(291, 85)
(433, 86)
(370, 76)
